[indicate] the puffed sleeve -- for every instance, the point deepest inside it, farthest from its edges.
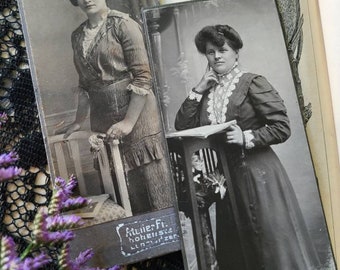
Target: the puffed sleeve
(188, 114)
(75, 41)
(270, 108)
(135, 55)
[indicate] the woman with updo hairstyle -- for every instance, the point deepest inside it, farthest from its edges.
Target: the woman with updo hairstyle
(115, 86)
(271, 225)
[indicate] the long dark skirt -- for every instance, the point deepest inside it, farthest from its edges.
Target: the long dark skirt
(150, 187)
(270, 232)
(143, 150)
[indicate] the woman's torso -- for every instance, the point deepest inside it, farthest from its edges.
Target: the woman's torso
(104, 61)
(105, 74)
(236, 105)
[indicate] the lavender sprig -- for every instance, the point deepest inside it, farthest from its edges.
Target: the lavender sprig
(54, 238)
(74, 203)
(51, 228)
(10, 261)
(3, 118)
(55, 223)
(8, 255)
(9, 158)
(65, 187)
(9, 173)
(64, 262)
(83, 257)
(61, 200)
(44, 236)
(34, 263)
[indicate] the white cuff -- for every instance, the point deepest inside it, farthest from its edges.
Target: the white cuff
(195, 96)
(138, 90)
(248, 137)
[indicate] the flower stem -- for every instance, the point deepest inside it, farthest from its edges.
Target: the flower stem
(27, 251)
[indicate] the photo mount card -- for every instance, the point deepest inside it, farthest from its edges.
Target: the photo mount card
(137, 221)
(178, 68)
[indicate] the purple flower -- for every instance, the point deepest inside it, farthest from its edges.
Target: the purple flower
(54, 223)
(44, 237)
(54, 206)
(60, 188)
(65, 187)
(61, 200)
(34, 263)
(8, 173)
(50, 228)
(83, 257)
(64, 261)
(8, 256)
(3, 118)
(71, 184)
(74, 203)
(6, 159)
(39, 224)
(9, 259)
(64, 258)
(53, 238)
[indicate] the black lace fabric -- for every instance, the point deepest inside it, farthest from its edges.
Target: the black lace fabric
(20, 198)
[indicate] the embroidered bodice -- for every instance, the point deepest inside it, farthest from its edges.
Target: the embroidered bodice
(218, 97)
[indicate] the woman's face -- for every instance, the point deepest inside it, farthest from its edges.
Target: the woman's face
(91, 7)
(220, 59)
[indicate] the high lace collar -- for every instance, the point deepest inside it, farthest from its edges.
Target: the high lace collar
(218, 98)
(225, 78)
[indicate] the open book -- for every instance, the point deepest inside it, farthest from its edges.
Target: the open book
(202, 132)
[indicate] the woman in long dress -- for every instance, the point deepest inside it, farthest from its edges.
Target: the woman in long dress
(115, 86)
(270, 233)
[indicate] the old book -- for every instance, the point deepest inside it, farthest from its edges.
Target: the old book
(201, 132)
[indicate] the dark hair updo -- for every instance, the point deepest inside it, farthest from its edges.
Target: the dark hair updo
(74, 2)
(218, 35)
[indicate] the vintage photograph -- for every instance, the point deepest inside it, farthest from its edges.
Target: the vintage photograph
(101, 120)
(101, 115)
(245, 182)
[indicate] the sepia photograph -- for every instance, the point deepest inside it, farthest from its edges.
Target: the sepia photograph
(101, 120)
(245, 183)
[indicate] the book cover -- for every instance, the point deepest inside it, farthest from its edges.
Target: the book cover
(202, 132)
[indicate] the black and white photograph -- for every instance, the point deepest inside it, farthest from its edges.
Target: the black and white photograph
(100, 117)
(246, 188)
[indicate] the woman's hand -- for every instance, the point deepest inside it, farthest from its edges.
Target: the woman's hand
(68, 130)
(119, 130)
(234, 135)
(124, 127)
(208, 79)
